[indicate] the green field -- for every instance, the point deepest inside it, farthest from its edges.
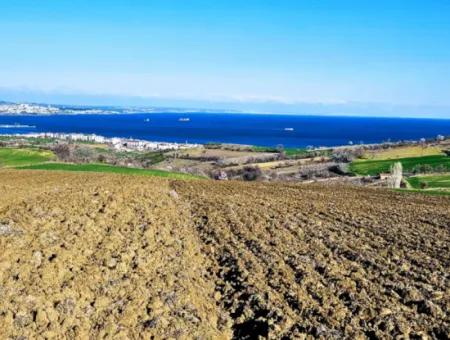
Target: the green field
(287, 151)
(10, 157)
(430, 182)
(107, 168)
(374, 167)
(292, 152)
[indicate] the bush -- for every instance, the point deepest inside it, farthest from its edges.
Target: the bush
(247, 173)
(347, 155)
(101, 158)
(62, 151)
(83, 154)
(251, 173)
(423, 169)
(340, 169)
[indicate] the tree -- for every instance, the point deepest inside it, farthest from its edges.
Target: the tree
(395, 180)
(62, 151)
(83, 154)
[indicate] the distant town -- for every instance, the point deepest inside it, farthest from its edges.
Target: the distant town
(46, 109)
(119, 144)
(7, 108)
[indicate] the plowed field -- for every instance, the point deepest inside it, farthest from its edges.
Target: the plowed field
(112, 256)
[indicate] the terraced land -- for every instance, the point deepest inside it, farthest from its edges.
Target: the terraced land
(112, 256)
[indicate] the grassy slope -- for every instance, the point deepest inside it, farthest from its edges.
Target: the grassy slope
(108, 168)
(374, 167)
(431, 181)
(10, 157)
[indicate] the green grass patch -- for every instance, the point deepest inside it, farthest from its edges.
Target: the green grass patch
(374, 167)
(295, 152)
(289, 152)
(30, 140)
(256, 148)
(151, 157)
(430, 181)
(12, 157)
(93, 167)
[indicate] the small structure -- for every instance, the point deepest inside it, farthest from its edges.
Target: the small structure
(384, 176)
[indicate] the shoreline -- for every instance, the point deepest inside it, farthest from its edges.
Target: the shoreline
(133, 144)
(118, 143)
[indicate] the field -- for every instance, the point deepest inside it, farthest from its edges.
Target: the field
(215, 153)
(94, 255)
(404, 152)
(374, 167)
(290, 152)
(35, 159)
(430, 182)
(10, 157)
(107, 168)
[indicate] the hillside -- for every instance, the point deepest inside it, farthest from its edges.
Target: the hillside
(107, 255)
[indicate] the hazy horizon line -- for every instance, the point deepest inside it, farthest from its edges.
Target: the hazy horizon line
(260, 106)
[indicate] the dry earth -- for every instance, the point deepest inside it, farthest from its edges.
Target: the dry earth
(110, 256)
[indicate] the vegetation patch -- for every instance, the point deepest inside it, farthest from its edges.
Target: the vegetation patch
(430, 181)
(403, 152)
(410, 164)
(93, 167)
(11, 157)
(290, 152)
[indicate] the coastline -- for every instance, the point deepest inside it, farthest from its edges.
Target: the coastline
(133, 144)
(118, 143)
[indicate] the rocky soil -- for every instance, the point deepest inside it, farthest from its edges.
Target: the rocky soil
(110, 256)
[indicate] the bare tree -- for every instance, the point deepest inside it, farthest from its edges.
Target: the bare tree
(62, 151)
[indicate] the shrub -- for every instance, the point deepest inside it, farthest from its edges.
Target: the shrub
(251, 173)
(82, 154)
(62, 151)
(340, 168)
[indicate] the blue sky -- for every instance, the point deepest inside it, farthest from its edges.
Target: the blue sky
(250, 54)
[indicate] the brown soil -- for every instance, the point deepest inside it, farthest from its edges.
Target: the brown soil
(110, 256)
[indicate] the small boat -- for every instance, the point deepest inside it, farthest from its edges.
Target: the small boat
(184, 120)
(288, 129)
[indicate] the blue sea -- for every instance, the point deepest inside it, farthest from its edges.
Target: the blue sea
(254, 129)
